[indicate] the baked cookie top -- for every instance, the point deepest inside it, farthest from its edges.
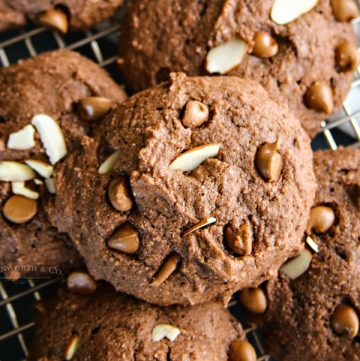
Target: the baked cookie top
(315, 312)
(111, 326)
(60, 15)
(195, 189)
(303, 54)
(40, 100)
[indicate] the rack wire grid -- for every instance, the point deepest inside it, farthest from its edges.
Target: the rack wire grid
(99, 44)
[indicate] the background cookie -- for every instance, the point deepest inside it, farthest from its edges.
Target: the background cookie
(112, 326)
(316, 316)
(77, 14)
(306, 63)
(51, 84)
(209, 191)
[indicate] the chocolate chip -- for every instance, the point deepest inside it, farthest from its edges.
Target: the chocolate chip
(265, 46)
(345, 321)
(320, 220)
(126, 239)
(254, 300)
(81, 283)
(239, 241)
(242, 350)
(268, 161)
(346, 57)
(196, 113)
(344, 10)
(167, 269)
(94, 108)
(119, 194)
(55, 19)
(319, 97)
(19, 209)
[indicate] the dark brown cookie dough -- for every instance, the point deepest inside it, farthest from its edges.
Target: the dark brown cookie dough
(288, 60)
(52, 84)
(77, 14)
(134, 225)
(111, 326)
(307, 317)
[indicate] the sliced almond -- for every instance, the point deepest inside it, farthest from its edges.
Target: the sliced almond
(298, 265)
(15, 172)
(72, 347)
(285, 11)
(311, 243)
(164, 330)
(23, 139)
(20, 189)
(191, 159)
(203, 223)
(51, 136)
(109, 163)
(38, 182)
(41, 168)
(226, 56)
(50, 185)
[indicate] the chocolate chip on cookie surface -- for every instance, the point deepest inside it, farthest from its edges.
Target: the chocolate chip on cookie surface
(39, 127)
(208, 205)
(303, 54)
(111, 326)
(315, 315)
(59, 15)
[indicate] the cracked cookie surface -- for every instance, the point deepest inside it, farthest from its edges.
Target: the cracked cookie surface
(52, 84)
(199, 219)
(164, 36)
(112, 326)
(317, 314)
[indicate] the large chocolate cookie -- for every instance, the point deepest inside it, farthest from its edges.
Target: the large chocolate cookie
(306, 63)
(205, 188)
(77, 14)
(109, 326)
(316, 316)
(41, 93)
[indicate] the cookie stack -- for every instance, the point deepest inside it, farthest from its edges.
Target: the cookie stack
(201, 185)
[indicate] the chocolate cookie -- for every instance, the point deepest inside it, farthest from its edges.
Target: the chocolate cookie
(77, 14)
(304, 55)
(110, 326)
(195, 189)
(39, 126)
(314, 307)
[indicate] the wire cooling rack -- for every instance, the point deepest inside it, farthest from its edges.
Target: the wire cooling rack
(17, 298)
